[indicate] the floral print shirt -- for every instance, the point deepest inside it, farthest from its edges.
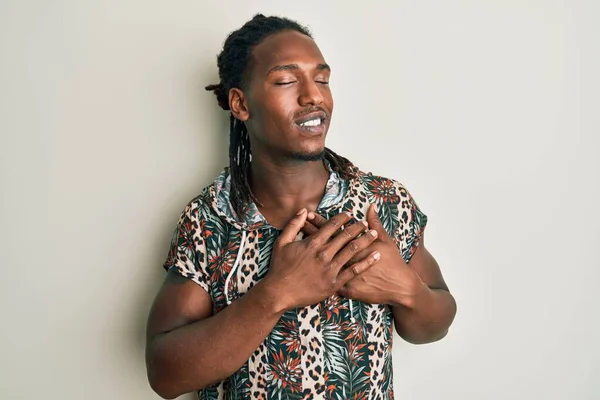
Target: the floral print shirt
(336, 349)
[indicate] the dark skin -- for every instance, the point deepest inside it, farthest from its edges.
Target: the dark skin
(422, 305)
(187, 347)
(291, 79)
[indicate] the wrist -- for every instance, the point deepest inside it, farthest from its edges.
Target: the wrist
(273, 297)
(414, 293)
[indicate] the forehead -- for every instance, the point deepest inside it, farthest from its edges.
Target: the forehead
(283, 48)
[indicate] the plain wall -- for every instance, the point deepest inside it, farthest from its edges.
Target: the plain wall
(488, 111)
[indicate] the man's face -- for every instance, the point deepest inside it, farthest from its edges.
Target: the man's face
(288, 98)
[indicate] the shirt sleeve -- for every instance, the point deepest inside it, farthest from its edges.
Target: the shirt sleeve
(187, 253)
(413, 224)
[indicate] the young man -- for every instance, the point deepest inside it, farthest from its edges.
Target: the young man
(287, 275)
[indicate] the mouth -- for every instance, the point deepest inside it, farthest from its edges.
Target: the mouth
(312, 123)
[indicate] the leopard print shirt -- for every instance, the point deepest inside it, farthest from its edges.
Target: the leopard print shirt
(336, 349)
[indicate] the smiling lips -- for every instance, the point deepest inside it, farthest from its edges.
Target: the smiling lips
(313, 122)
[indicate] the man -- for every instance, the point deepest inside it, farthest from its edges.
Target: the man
(287, 275)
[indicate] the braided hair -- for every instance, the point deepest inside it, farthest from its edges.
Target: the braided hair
(235, 64)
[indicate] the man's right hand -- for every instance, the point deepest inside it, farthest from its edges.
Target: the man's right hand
(307, 271)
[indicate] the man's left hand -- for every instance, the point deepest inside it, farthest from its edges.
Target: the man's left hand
(390, 281)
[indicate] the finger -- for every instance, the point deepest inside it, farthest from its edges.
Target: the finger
(326, 231)
(374, 221)
(319, 221)
(309, 229)
(357, 268)
(359, 256)
(353, 248)
(292, 229)
(316, 219)
(349, 233)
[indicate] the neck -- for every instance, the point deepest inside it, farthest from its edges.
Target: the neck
(283, 187)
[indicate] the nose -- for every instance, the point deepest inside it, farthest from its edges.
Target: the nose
(310, 94)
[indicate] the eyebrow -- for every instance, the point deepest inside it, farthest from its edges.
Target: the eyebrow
(292, 67)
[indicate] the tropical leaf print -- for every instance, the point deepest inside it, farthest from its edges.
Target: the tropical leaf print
(417, 226)
(358, 377)
(237, 385)
(332, 309)
(389, 217)
(208, 394)
(266, 240)
(363, 395)
(382, 190)
(284, 358)
(359, 329)
(336, 351)
(287, 376)
(220, 259)
(351, 358)
(288, 336)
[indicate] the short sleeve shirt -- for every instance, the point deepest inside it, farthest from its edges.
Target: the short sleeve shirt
(335, 349)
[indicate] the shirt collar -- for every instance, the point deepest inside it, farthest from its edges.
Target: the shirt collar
(335, 191)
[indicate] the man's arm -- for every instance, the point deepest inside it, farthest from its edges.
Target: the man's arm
(424, 315)
(422, 306)
(187, 349)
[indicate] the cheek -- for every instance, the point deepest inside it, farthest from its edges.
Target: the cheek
(268, 115)
(268, 106)
(281, 111)
(328, 99)
(271, 120)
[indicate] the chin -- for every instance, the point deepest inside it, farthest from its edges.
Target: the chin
(309, 156)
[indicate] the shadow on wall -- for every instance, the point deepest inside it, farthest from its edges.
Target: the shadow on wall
(213, 128)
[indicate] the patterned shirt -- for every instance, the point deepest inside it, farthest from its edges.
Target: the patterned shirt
(336, 349)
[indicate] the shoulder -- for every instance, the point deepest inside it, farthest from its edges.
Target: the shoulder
(397, 209)
(200, 207)
(384, 190)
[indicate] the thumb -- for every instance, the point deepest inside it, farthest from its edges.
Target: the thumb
(374, 221)
(293, 228)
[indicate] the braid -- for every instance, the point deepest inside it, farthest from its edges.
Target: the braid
(341, 165)
(239, 166)
(222, 95)
(235, 64)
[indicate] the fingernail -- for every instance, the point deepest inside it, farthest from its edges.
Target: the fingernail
(311, 215)
(377, 255)
(375, 208)
(365, 223)
(301, 211)
(373, 232)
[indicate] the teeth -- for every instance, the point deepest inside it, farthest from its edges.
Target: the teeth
(312, 122)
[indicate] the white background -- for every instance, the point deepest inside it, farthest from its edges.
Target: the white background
(488, 111)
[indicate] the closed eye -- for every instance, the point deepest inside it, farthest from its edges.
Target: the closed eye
(323, 82)
(284, 83)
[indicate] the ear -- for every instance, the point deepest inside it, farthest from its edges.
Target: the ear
(238, 104)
